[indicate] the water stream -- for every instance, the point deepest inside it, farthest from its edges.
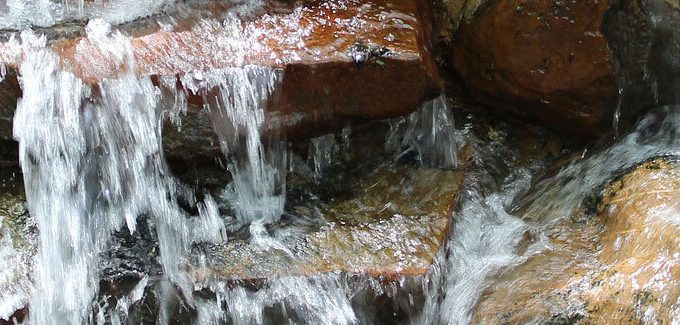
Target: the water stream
(22, 14)
(122, 240)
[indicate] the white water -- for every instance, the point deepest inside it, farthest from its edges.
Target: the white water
(485, 234)
(91, 164)
(22, 14)
(429, 132)
(322, 299)
(257, 191)
(489, 226)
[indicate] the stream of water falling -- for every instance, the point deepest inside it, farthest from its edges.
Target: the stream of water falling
(22, 14)
(91, 164)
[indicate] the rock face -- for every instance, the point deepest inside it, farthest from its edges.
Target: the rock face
(546, 60)
(341, 63)
(392, 223)
(622, 265)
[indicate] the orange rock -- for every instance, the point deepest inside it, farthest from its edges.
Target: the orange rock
(391, 225)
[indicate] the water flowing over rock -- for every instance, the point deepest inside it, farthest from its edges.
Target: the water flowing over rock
(91, 164)
(614, 261)
(276, 161)
(342, 62)
(22, 14)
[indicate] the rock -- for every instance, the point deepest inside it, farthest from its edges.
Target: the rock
(365, 217)
(622, 265)
(450, 14)
(10, 91)
(18, 246)
(322, 87)
(545, 60)
(390, 224)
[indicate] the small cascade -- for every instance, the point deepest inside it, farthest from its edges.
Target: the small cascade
(485, 234)
(428, 133)
(312, 300)
(22, 14)
(655, 135)
(257, 191)
(92, 162)
(504, 219)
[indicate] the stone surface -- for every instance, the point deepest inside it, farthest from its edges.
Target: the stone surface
(546, 60)
(342, 62)
(391, 223)
(622, 265)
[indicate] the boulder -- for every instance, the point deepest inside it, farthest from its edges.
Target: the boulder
(622, 265)
(389, 224)
(545, 60)
(339, 63)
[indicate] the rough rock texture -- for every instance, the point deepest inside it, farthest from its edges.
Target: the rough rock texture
(9, 93)
(623, 265)
(18, 244)
(568, 65)
(341, 62)
(392, 223)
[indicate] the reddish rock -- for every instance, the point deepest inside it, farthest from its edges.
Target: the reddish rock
(322, 87)
(546, 60)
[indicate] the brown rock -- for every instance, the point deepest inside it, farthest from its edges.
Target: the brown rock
(546, 60)
(391, 224)
(623, 266)
(322, 87)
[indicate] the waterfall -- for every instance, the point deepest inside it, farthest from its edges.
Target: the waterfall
(22, 14)
(92, 162)
(428, 132)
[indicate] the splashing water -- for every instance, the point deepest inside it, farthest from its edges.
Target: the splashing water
(429, 132)
(22, 14)
(655, 135)
(497, 213)
(320, 299)
(257, 191)
(485, 234)
(91, 163)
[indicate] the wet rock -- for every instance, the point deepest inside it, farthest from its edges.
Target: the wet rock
(17, 246)
(322, 87)
(546, 60)
(450, 14)
(392, 223)
(10, 91)
(623, 264)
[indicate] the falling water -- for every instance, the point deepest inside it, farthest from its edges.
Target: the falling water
(257, 191)
(428, 132)
(22, 14)
(498, 213)
(92, 163)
